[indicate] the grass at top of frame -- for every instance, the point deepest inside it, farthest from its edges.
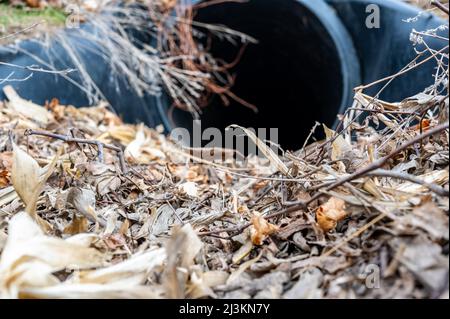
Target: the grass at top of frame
(14, 18)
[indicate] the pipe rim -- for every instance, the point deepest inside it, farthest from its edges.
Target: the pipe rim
(350, 67)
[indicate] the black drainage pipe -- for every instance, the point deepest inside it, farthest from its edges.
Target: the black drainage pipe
(302, 70)
(311, 53)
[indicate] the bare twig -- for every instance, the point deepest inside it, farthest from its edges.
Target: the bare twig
(36, 69)
(20, 31)
(413, 179)
(100, 145)
(438, 4)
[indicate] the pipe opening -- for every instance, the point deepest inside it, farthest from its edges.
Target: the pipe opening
(293, 75)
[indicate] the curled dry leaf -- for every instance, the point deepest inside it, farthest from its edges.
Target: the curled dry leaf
(4, 178)
(25, 174)
(142, 149)
(84, 201)
(133, 150)
(77, 226)
(339, 147)
(260, 229)
(189, 188)
(330, 213)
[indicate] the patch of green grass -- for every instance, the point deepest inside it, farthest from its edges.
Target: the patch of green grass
(18, 17)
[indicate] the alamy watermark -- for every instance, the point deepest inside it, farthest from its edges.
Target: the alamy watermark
(233, 143)
(371, 275)
(374, 17)
(73, 18)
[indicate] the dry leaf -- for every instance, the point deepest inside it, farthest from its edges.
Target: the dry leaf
(33, 3)
(25, 174)
(198, 289)
(93, 291)
(439, 177)
(122, 280)
(133, 150)
(260, 229)
(189, 188)
(242, 268)
(242, 252)
(167, 5)
(330, 213)
(77, 226)
(192, 244)
(134, 269)
(339, 147)
(90, 5)
(6, 160)
(7, 195)
(30, 258)
(125, 134)
(182, 248)
(430, 218)
(4, 178)
(307, 287)
(124, 228)
(84, 201)
(107, 184)
(26, 108)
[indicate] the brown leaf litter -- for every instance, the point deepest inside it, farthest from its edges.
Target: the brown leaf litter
(173, 227)
(91, 207)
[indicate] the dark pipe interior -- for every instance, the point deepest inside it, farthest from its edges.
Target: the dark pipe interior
(293, 75)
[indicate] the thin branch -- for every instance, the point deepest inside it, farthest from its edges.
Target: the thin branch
(413, 179)
(20, 31)
(35, 69)
(100, 145)
(438, 4)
